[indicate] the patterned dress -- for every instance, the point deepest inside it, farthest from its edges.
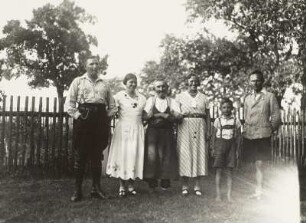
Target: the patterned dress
(126, 153)
(191, 146)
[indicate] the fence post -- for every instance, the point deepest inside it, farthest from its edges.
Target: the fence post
(47, 135)
(3, 146)
(32, 147)
(39, 132)
(10, 135)
(17, 133)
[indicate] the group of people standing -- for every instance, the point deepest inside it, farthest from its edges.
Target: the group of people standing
(144, 143)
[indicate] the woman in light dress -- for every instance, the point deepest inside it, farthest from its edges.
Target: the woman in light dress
(192, 134)
(126, 155)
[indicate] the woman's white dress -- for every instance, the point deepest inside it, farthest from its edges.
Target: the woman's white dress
(126, 153)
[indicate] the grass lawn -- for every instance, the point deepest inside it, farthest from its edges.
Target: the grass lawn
(47, 200)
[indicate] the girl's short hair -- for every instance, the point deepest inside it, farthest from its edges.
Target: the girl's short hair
(226, 100)
(129, 76)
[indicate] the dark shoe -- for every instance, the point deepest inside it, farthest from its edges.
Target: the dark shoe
(98, 194)
(77, 196)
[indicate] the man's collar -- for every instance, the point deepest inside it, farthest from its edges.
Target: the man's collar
(86, 77)
(262, 91)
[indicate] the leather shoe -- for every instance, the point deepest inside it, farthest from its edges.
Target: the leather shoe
(77, 196)
(97, 194)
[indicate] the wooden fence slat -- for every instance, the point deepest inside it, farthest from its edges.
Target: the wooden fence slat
(54, 132)
(16, 158)
(39, 132)
(303, 136)
(289, 117)
(10, 134)
(299, 141)
(66, 140)
(47, 135)
(294, 135)
(32, 132)
(60, 137)
(3, 141)
(25, 130)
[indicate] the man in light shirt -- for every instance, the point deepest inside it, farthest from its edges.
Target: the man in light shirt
(90, 103)
(262, 119)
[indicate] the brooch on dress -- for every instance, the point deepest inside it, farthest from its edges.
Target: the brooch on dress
(134, 104)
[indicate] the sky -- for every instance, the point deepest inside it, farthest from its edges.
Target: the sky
(128, 31)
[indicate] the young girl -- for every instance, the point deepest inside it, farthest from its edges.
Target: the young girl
(226, 137)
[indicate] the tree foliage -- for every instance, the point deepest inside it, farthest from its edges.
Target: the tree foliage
(274, 30)
(51, 49)
(218, 62)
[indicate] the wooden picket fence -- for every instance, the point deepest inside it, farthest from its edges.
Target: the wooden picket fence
(38, 137)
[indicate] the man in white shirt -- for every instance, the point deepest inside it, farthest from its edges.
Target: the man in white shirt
(90, 103)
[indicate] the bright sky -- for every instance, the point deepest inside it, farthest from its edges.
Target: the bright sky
(129, 31)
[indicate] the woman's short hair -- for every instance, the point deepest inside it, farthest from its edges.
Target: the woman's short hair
(226, 100)
(128, 77)
(193, 75)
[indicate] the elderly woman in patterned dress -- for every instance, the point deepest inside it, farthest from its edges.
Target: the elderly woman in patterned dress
(192, 134)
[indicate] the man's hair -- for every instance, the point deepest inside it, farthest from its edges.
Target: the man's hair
(226, 100)
(160, 79)
(91, 58)
(258, 73)
(128, 77)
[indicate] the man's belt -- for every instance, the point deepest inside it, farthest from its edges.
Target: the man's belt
(194, 116)
(91, 107)
(87, 108)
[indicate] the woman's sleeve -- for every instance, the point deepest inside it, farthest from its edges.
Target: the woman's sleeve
(175, 107)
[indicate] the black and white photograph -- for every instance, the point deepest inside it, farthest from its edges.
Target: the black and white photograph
(152, 111)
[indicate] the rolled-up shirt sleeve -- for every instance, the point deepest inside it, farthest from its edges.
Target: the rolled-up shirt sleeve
(71, 100)
(149, 107)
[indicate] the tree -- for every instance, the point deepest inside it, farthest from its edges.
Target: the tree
(218, 62)
(273, 30)
(51, 49)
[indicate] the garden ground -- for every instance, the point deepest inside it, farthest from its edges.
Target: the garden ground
(47, 200)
